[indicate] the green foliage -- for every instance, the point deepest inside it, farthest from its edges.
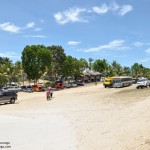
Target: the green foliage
(68, 67)
(116, 69)
(38, 60)
(35, 60)
(137, 70)
(126, 71)
(101, 66)
(58, 57)
(6, 70)
(47, 84)
(90, 63)
(73, 67)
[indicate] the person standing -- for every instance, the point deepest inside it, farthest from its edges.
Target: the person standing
(48, 95)
(51, 92)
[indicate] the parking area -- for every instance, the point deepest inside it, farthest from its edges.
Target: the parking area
(87, 117)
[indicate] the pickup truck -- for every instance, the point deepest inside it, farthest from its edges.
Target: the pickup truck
(143, 82)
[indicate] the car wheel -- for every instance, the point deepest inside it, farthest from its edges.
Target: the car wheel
(12, 101)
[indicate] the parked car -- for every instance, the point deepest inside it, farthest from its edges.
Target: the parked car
(59, 85)
(23, 87)
(8, 97)
(43, 88)
(4, 89)
(28, 89)
(73, 84)
(134, 80)
(79, 83)
(67, 85)
(142, 82)
(14, 89)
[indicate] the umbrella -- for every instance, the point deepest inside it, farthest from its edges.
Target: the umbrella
(49, 88)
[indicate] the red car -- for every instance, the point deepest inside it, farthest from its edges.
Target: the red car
(59, 86)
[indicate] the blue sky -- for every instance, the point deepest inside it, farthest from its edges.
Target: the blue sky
(107, 29)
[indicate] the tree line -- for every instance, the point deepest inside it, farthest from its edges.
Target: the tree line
(39, 61)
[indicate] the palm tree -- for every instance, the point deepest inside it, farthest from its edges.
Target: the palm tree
(116, 68)
(90, 63)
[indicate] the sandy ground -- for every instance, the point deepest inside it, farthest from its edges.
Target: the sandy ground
(83, 118)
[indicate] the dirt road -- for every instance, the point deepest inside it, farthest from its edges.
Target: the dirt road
(83, 118)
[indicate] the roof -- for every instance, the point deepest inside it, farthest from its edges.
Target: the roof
(91, 73)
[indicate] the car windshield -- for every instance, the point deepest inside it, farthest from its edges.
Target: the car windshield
(141, 80)
(28, 86)
(107, 80)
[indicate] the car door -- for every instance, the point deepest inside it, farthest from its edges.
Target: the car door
(4, 97)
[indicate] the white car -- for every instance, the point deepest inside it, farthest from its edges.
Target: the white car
(143, 82)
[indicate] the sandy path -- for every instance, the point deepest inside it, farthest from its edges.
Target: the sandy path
(83, 118)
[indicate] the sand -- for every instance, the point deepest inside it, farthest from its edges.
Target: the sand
(84, 118)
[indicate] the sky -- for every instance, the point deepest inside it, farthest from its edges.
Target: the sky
(115, 30)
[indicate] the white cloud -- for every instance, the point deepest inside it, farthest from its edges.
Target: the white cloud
(71, 15)
(147, 50)
(145, 60)
(30, 25)
(35, 36)
(138, 44)
(73, 43)
(125, 9)
(101, 10)
(115, 45)
(74, 14)
(10, 55)
(113, 7)
(37, 29)
(9, 27)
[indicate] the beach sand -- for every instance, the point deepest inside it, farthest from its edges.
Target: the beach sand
(84, 118)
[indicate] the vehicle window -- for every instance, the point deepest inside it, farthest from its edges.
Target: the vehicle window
(117, 81)
(107, 80)
(141, 80)
(6, 93)
(28, 86)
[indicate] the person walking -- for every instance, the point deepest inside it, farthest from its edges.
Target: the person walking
(48, 95)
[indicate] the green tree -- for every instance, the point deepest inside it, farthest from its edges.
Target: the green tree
(90, 63)
(35, 60)
(73, 67)
(6, 70)
(137, 70)
(101, 66)
(68, 67)
(58, 57)
(79, 66)
(146, 73)
(116, 69)
(126, 71)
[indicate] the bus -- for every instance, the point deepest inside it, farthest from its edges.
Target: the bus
(122, 81)
(108, 82)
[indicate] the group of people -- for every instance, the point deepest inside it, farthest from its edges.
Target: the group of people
(49, 94)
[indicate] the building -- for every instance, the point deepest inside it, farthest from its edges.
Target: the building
(90, 76)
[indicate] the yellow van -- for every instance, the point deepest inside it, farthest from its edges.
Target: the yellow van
(108, 82)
